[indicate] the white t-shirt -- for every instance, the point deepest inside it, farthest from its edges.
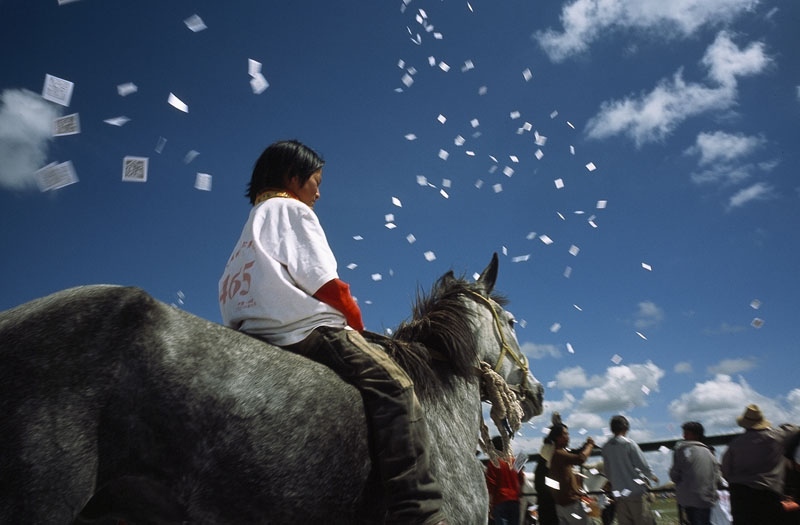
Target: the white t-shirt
(282, 258)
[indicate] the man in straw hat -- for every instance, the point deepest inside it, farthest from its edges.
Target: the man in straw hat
(754, 467)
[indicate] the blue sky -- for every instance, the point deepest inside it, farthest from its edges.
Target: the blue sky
(634, 163)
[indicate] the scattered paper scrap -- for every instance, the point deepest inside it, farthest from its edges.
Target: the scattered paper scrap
(160, 144)
(190, 156)
(591, 166)
(203, 182)
(546, 239)
(134, 169)
(397, 202)
(555, 327)
(757, 322)
(645, 390)
(57, 90)
(647, 267)
(376, 277)
(441, 118)
(755, 304)
(570, 349)
(574, 250)
(117, 121)
(443, 154)
(410, 238)
(601, 205)
(616, 359)
(521, 258)
(195, 23)
(430, 256)
(411, 136)
(66, 125)
(126, 89)
(640, 334)
(177, 103)
(559, 183)
(527, 75)
(55, 176)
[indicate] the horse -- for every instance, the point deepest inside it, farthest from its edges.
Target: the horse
(116, 405)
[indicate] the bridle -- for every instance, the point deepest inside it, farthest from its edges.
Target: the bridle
(523, 389)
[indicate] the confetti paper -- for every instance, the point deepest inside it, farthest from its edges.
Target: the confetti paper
(591, 166)
(640, 334)
(527, 75)
(160, 144)
(190, 156)
(574, 250)
(411, 136)
(411, 239)
(177, 103)
(545, 239)
(441, 118)
(647, 267)
(559, 183)
(376, 277)
(757, 322)
(66, 125)
(203, 182)
(601, 205)
(616, 359)
(134, 169)
(57, 90)
(397, 202)
(127, 89)
(430, 256)
(570, 349)
(195, 23)
(55, 176)
(755, 304)
(117, 121)
(555, 327)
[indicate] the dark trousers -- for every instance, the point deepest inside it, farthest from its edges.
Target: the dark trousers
(697, 515)
(398, 434)
(751, 506)
(506, 513)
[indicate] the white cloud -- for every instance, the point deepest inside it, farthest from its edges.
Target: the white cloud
(757, 192)
(621, 388)
(648, 315)
(653, 116)
(26, 124)
(684, 367)
(732, 366)
(536, 351)
(575, 377)
(718, 402)
(725, 147)
(585, 21)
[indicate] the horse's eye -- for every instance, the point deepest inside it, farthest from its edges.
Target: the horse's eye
(512, 322)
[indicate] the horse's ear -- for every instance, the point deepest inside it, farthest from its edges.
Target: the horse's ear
(448, 278)
(489, 275)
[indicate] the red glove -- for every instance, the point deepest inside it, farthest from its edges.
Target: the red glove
(337, 294)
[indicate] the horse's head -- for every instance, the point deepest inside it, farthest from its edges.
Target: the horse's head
(498, 345)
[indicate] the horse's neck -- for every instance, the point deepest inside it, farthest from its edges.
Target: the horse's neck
(454, 414)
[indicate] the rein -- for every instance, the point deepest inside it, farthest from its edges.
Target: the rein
(506, 412)
(505, 349)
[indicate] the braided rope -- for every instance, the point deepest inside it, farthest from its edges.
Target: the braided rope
(506, 413)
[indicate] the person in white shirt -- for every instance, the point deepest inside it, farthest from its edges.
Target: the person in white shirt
(281, 284)
(629, 473)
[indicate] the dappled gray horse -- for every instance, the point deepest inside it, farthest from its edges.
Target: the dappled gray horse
(114, 404)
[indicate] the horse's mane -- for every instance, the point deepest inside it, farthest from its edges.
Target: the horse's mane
(438, 345)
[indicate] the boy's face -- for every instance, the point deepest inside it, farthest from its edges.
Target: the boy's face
(308, 193)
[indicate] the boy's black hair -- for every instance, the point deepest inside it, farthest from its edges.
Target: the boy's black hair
(280, 162)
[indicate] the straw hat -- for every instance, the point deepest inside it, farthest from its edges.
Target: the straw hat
(753, 418)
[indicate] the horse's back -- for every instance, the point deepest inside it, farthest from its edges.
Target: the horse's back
(100, 384)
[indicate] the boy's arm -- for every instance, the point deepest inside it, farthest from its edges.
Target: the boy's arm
(336, 293)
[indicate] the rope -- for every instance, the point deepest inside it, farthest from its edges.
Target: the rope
(506, 413)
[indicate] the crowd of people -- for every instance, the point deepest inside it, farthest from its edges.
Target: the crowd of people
(760, 470)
